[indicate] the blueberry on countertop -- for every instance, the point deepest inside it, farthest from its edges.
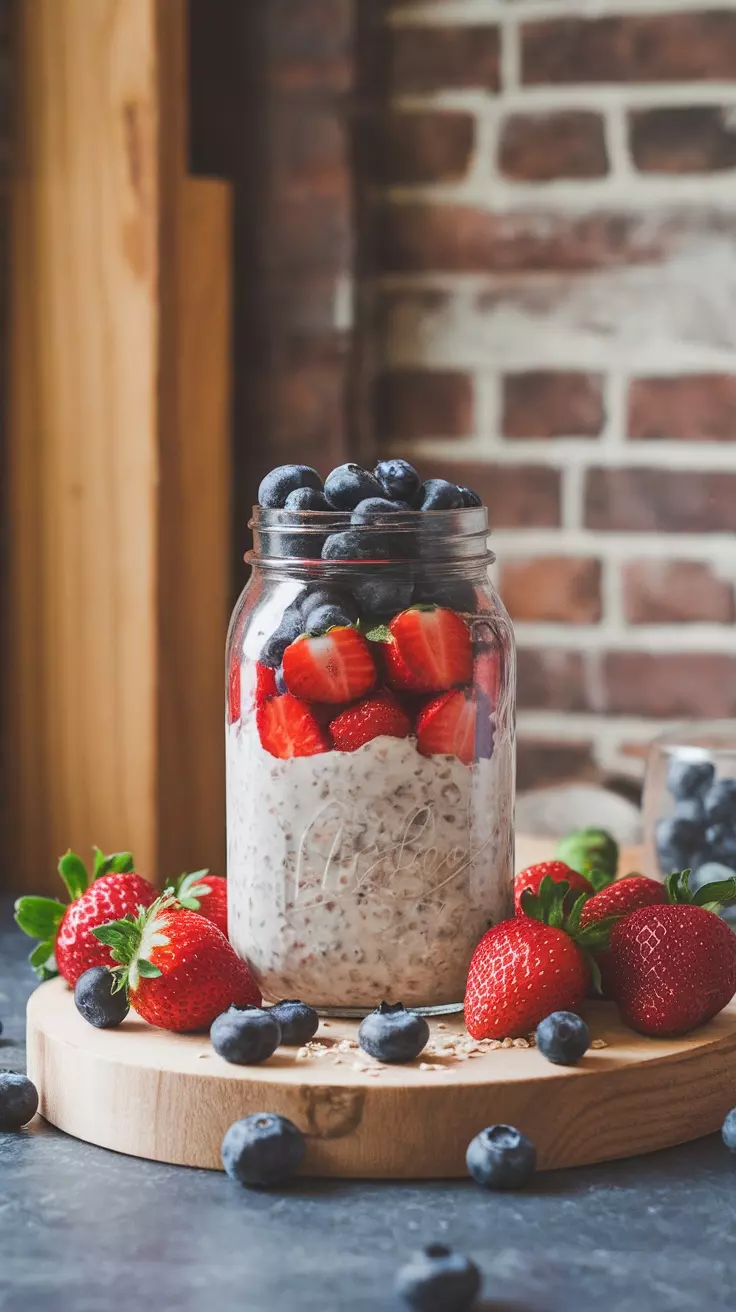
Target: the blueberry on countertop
(262, 1149)
(18, 1100)
(470, 498)
(501, 1157)
(245, 1037)
(393, 1034)
(327, 617)
(376, 508)
(307, 498)
(286, 632)
(563, 1038)
(299, 1022)
(348, 485)
(720, 802)
(438, 494)
(438, 1280)
(95, 1000)
(721, 841)
(689, 778)
(728, 1130)
(399, 480)
(277, 485)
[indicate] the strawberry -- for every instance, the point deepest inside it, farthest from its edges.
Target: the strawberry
(265, 683)
(337, 667)
(233, 691)
(446, 726)
(622, 897)
(66, 944)
(179, 969)
(531, 878)
(204, 893)
(672, 967)
(378, 715)
(397, 672)
(433, 645)
(524, 969)
(287, 728)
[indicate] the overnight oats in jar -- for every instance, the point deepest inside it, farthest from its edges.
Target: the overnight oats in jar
(370, 741)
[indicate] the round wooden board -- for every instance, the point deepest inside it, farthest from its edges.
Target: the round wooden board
(169, 1097)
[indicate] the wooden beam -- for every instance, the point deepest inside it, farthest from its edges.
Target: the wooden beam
(118, 442)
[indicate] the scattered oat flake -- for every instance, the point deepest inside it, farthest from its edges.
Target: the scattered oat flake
(599, 1043)
(507, 1043)
(521, 1043)
(441, 1025)
(495, 1043)
(302, 1053)
(325, 1024)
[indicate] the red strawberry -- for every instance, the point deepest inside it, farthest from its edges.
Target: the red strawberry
(67, 945)
(557, 871)
(397, 672)
(622, 897)
(234, 691)
(434, 645)
(525, 968)
(179, 969)
(446, 726)
(265, 683)
(204, 893)
(376, 716)
(287, 728)
(671, 968)
(337, 667)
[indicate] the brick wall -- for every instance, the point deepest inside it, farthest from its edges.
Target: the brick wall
(556, 317)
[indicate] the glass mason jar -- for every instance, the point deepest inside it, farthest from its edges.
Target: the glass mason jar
(369, 873)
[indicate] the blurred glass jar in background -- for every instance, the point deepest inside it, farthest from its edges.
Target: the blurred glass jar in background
(690, 802)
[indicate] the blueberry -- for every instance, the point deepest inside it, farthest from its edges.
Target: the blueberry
(383, 596)
(18, 1100)
(689, 778)
(677, 837)
(721, 840)
(281, 687)
(438, 494)
(95, 1000)
(245, 1037)
(289, 628)
(720, 802)
(470, 498)
(455, 594)
(399, 480)
(376, 508)
(323, 618)
(355, 546)
(306, 498)
(277, 485)
(391, 1033)
(262, 1149)
(563, 1038)
(299, 1022)
(728, 1131)
(319, 595)
(348, 485)
(501, 1157)
(438, 1280)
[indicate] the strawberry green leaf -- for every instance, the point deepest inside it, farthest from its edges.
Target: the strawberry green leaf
(717, 895)
(377, 633)
(595, 973)
(148, 970)
(43, 960)
(74, 873)
(187, 890)
(118, 863)
(39, 917)
(598, 878)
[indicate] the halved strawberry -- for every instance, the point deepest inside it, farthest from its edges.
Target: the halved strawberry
(397, 672)
(287, 728)
(446, 726)
(434, 645)
(233, 690)
(265, 683)
(337, 667)
(377, 715)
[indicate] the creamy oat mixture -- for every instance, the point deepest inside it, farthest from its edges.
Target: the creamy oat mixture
(361, 876)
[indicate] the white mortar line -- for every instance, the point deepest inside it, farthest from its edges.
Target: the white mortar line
(571, 496)
(577, 95)
(473, 12)
(617, 143)
(616, 387)
(522, 542)
(571, 452)
(660, 639)
(611, 592)
(510, 56)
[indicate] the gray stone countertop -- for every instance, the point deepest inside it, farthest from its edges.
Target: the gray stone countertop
(83, 1229)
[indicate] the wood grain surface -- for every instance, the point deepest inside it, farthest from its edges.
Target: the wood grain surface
(169, 1097)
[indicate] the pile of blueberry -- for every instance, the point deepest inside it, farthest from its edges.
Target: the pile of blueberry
(700, 834)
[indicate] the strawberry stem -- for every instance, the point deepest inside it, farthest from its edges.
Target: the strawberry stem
(187, 889)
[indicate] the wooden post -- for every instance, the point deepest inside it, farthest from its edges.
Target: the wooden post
(119, 449)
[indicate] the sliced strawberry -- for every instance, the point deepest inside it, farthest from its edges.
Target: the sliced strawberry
(446, 726)
(233, 690)
(377, 715)
(434, 645)
(487, 673)
(265, 683)
(337, 667)
(397, 672)
(287, 728)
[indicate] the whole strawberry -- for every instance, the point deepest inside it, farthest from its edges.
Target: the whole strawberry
(672, 967)
(204, 893)
(526, 968)
(179, 969)
(67, 945)
(529, 880)
(622, 897)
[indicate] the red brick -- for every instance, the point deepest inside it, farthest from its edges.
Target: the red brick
(413, 403)
(689, 47)
(516, 495)
(562, 589)
(551, 680)
(543, 403)
(446, 57)
(425, 147)
(309, 143)
(311, 233)
(687, 139)
(311, 45)
(666, 685)
(660, 500)
(692, 408)
(676, 592)
(540, 761)
(540, 147)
